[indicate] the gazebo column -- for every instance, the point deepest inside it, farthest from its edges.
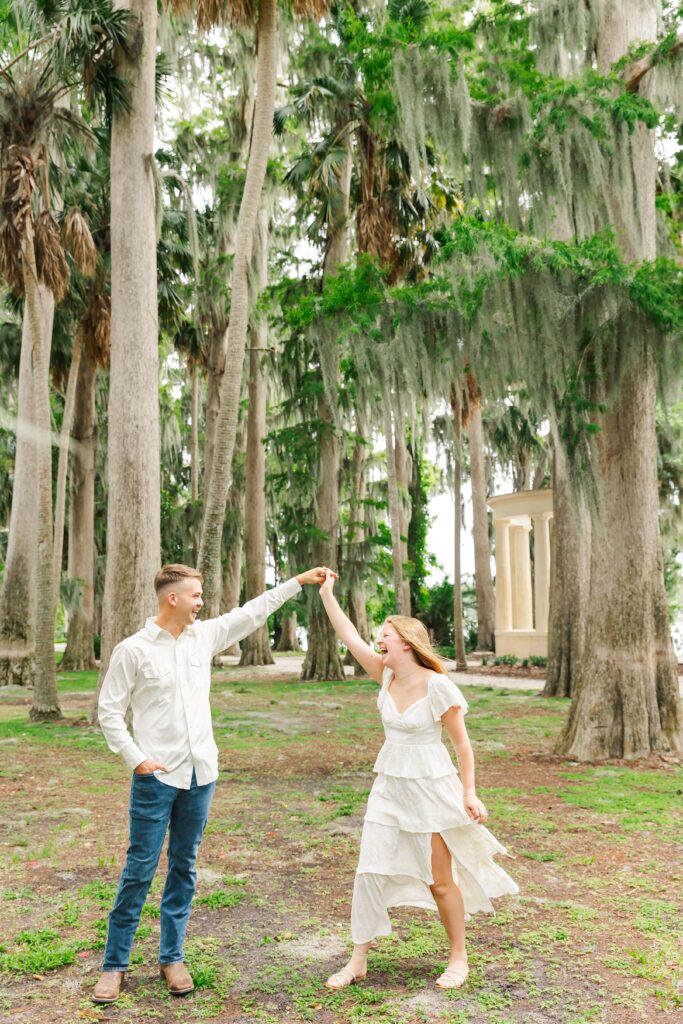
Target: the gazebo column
(503, 575)
(520, 558)
(541, 569)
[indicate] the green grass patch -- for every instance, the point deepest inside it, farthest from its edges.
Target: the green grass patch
(636, 800)
(219, 900)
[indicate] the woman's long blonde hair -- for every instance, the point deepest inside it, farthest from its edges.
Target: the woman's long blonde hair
(413, 632)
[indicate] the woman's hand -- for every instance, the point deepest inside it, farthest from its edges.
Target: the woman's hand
(315, 575)
(475, 808)
(327, 585)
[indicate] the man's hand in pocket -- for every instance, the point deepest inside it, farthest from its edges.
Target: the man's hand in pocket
(148, 767)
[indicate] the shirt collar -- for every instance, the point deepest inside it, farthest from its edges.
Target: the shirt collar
(155, 632)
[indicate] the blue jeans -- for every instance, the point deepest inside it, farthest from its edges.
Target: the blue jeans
(154, 809)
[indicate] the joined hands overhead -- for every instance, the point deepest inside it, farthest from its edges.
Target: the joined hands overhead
(319, 574)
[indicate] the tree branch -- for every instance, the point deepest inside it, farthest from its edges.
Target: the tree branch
(637, 71)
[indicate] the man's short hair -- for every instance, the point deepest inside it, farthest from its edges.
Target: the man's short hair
(169, 574)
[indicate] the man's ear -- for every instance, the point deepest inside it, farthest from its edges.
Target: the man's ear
(173, 599)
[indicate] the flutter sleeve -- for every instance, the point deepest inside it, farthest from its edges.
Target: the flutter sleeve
(387, 676)
(444, 694)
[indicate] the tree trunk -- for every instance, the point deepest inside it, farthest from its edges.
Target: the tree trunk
(133, 527)
(231, 569)
(256, 647)
(394, 504)
(486, 605)
(322, 659)
(354, 561)
(216, 369)
(627, 702)
(79, 653)
(401, 461)
(63, 462)
(18, 595)
(458, 637)
(194, 437)
(288, 640)
(570, 567)
(39, 309)
(218, 483)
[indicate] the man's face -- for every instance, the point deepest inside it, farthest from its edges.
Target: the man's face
(186, 600)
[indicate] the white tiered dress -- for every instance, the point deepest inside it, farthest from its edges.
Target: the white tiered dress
(417, 792)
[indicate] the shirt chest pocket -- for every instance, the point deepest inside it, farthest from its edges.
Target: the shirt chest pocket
(157, 684)
(196, 669)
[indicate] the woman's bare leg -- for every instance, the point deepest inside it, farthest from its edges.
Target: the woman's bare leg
(449, 902)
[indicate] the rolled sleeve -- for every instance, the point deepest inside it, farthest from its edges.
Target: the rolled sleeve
(113, 704)
(240, 622)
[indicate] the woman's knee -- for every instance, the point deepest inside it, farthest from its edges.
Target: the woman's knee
(442, 888)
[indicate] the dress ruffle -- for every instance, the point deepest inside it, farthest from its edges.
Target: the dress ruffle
(416, 794)
(395, 870)
(414, 760)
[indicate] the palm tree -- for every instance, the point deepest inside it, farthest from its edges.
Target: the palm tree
(264, 107)
(256, 648)
(34, 121)
(133, 508)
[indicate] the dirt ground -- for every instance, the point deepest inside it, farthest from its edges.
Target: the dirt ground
(591, 937)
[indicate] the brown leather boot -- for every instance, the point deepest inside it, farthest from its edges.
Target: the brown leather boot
(108, 988)
(177, 978)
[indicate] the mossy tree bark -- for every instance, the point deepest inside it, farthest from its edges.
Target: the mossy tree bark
(133, 512)
(627, 703)
(79, 653)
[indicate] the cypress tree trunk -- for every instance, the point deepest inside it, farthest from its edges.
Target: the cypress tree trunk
(570, 568)
(322, 659)
(133, 527)
(256, 647)
(627, 702)
(79, 653)
(18, 595)
(219, 480)
(39, 309)
(486, 605)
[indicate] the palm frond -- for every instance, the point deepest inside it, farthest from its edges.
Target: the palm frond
(51, 264)
(79, 242)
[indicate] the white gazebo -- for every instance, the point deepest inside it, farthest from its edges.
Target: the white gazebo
(522, 603)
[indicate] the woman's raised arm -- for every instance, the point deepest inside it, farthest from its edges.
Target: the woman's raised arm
(347, 632)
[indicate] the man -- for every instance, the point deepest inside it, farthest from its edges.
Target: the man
(163, 674)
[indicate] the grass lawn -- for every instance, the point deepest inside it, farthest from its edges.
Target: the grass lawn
(592, 936)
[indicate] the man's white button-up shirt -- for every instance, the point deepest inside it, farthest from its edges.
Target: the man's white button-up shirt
(166, 683)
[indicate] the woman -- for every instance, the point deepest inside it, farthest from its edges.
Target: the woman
(423, 841)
